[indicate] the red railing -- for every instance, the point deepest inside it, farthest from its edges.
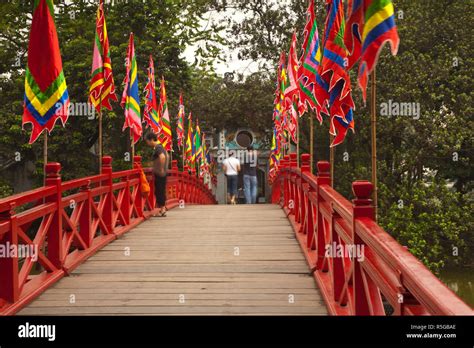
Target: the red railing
(64, 223)
(359, 268)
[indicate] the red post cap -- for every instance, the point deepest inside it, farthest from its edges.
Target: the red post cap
(53, 169)
(106, 161)
(323, 168)
(362, 190)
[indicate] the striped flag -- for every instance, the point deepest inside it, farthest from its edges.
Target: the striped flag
(353, 31)
(333, 80)
(46, 97)
(334, 59)
(180, 122)
(275, 156)
(292, 102)
(379, 27)
(150, 113)
(309, 62)
(292, 91)
(339, 125)
(167, 138)
(102, 87)
(278, 105)
(198, 143)
(130, 100)
(189, 142)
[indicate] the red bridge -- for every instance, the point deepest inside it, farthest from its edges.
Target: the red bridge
(100, 252)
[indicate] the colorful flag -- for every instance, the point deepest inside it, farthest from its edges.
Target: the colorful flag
(204, 167)
(180, 122)
(275, 156)
(150, 113)
(130, 100)
(334, 75)
(189, 142)
(283, 82)
(102, 87)
(379, 27)
(292, 102)
(278, 105)
(353, 31)
(340, 125)
(333, 66)
(292, 91)
(167, 138)
(309, 61)
(292, 122)
(46, 96)
(198, 143)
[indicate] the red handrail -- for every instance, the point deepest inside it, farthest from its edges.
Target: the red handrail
(67, 222)
(380, 277)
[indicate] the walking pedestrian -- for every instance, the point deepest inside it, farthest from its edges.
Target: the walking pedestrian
(250, 176)
(231, 170)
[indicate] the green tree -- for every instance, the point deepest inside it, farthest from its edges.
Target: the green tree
(163, 28)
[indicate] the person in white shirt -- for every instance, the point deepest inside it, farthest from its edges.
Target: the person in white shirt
(231, 170)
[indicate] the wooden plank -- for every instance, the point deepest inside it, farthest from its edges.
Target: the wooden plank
(185, 301)
(175, 291)
(177, 310)
(64, 297)
(191, 253)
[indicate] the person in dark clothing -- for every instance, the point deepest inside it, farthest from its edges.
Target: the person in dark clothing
(250, 176)
(160, 170)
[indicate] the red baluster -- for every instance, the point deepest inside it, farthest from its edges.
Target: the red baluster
(303, 188)
(85, 219)
(107, 213)
(56, 254)
(9, 265)
(186, 185)
(292, 181)
(362, 207)
(138, 201)
(323, 178)
(285, 163)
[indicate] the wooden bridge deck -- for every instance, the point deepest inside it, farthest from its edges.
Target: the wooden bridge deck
(200, 260)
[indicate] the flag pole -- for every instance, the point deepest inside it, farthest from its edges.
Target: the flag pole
(133, 145)
(298, 141)
(373, 121)
(183, 155)
(45, 154)
(100, 134)
(311, 141)
(331, 158)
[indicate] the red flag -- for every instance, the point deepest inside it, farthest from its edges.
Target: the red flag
(102, 87)
(150, 113)
(46, 96)
(180, 122)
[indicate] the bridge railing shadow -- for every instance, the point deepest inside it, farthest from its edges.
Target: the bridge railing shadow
(359, 268)
(47, 232)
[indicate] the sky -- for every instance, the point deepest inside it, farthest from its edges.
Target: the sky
(232, 62)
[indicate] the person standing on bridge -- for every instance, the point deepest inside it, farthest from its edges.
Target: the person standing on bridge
(160, 170)
(231, 170)
(250, 176)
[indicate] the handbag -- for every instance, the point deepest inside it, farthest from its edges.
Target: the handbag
(144, 185)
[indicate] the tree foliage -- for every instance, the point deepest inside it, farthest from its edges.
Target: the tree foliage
(433, 68)
(419, 158)
(163, 28)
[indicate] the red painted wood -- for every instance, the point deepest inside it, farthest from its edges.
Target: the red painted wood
(78, 217)
(356, 286)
